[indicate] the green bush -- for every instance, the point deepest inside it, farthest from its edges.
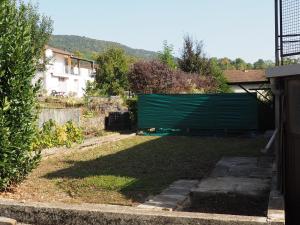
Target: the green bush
(23, 34)
(132, 108)
(54, 135)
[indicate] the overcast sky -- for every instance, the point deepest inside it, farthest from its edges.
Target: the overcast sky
(232, 28)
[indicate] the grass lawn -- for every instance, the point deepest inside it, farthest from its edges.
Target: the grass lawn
(128, 171)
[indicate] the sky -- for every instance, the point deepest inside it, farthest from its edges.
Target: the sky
(228, 28)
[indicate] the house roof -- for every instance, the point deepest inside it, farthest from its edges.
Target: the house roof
(245, 76)
(64, 52)
(284, 71)
(58, 51)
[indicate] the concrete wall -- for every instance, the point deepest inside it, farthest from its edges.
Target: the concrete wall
(88, 214)
(100, 106)
(60, 116)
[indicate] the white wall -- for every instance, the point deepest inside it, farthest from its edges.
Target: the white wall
(238, 89)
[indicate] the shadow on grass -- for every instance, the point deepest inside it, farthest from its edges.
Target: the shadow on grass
(150, 166)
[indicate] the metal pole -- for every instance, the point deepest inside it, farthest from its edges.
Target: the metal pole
(276, 34)
(281, 33)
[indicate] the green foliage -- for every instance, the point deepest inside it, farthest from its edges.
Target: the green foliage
(166, 56)
(78, 54)
(225, 64)
(92, 89)
(23, 34)
(90, 47)
(193, 59)
(111, 77)
(60, 102)
(290, 61)
(217, 73)
(132, 108)
(263, 64)
(240, 64)
(54, 135)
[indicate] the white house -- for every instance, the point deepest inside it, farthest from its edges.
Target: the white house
(242, 81)
(65, 74)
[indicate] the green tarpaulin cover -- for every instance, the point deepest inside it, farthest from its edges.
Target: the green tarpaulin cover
(197, 111)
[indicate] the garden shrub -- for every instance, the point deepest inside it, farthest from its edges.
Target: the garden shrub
(132, 108)
(23, 34)
(154, 77)
(53, 135)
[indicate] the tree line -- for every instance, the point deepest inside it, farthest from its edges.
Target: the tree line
(192, 72)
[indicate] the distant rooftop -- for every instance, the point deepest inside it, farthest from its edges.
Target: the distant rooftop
(245, 76)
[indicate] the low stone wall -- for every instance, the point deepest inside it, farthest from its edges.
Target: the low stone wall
(94, 123)
(60, 116)
(87, 214)
(100, 107)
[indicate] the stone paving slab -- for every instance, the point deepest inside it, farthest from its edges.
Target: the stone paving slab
(7, 221)
(175, 197)
(243, 167)
(238, 181)
(232, 185)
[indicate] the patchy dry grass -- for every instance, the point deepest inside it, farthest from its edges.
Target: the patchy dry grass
(128, 171)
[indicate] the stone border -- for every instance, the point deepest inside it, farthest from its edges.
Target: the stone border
(174, 198)
(87, 214)
(7, 221)
(86, 145)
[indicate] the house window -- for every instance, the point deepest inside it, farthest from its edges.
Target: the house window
(61, 79)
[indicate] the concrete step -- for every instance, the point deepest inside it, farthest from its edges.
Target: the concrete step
(174, 198)
(235, 184)
(7, 221)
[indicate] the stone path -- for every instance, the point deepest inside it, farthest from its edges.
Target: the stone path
(174, 198)
(87, 144)
(235, 180)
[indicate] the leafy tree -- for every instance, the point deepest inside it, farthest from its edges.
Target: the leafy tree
(78, 54)
(290, 61)
(240, 64)
(259, 64)
(94, 56)
(166, 56)
(192, 58)
(156, 77)
(217, 72)
(226, 64)
(111, 76)
(263, 64)
(23, 36)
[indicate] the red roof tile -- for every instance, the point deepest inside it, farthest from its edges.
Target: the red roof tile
(245, 76)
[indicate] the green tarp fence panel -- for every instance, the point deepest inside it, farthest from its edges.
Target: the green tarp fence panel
(197, 111)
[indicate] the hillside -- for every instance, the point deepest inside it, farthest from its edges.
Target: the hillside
(89, 46)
